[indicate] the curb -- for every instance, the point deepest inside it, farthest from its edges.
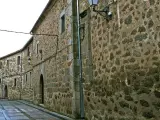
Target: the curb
(62, 117)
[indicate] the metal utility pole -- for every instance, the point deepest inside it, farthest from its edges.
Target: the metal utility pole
(80, 65)
(77, 63)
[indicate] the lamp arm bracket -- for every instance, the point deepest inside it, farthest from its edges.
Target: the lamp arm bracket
(105, 10)
(101, 14)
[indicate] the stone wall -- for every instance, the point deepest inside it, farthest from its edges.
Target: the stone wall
(52, 61)
(125, 57)
(27, 71)
(14, 91)
(120, 61)
(11, 76)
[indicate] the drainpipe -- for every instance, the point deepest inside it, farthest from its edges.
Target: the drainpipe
(80, 65)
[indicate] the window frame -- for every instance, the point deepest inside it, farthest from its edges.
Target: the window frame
(18, 60)
(26, 78)
(15, 82)
(1, 64)
(28, 51)
(37, 48)
(8, 64)
(62, 22)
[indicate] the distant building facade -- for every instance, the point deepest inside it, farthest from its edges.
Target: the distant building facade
(11, 75)
(14, 70)
(120, 60)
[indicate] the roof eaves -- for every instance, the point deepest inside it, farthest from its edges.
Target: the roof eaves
(18, 51)
(41, 16)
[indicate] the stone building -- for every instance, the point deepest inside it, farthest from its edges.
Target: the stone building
(11, 75)
(27, 70)
(14, 70)
(120, 60)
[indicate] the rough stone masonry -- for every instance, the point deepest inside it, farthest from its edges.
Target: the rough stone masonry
(120, 61)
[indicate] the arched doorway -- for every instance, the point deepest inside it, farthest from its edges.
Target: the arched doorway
(5, 91)
(41, 89)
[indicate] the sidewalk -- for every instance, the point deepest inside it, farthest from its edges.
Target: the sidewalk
(45, 110)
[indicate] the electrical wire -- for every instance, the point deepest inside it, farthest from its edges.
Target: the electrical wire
(2, 30)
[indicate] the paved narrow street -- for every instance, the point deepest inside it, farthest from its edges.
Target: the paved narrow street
(14, 110)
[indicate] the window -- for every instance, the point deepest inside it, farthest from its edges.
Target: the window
(18, 60)
(23, 81)
(26, 78)
(30, 79)
(28, 51)
(0, 65)
(37, 48)
(40, 51)
(15, 82)
(8, 64)
(0, 81)
(62, 23)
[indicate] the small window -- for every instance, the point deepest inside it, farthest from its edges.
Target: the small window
(0, 81)
(15, 82)
(23, 81)
(63, 23)
(0, 65)
(30, 79)
(28, 51)
(37, 48)
(18, 60)
(8, 64)
(26, 77)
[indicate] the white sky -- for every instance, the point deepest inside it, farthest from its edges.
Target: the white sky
(18, 15)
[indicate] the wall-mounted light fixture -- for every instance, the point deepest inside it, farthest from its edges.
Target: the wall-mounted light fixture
(105, 12)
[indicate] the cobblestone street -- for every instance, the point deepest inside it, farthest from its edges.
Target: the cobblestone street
(14, 110)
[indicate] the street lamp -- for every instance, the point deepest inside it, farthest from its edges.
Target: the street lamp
(29, 60)
(105, 12)
(93, 2)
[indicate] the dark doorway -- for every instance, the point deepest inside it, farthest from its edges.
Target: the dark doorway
(5, 91)
(41, 90)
